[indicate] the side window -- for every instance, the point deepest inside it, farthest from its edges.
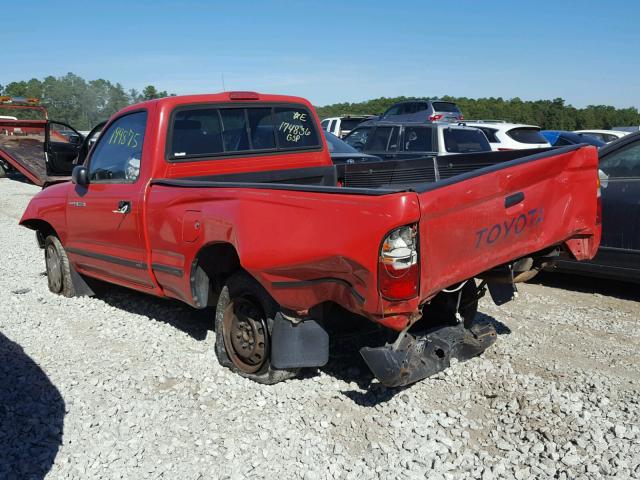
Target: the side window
(415, 107)
(379, 140)
(490, 133)
(623, 163)
(116, 157)
(395, 110)
(418, 139)
(332, 128)
(324, 124)
(358, 138)
(295, 128)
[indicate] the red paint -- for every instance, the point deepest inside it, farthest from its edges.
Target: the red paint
(295, 236)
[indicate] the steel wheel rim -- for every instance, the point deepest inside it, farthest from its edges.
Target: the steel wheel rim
(54, 269)
(245, 334)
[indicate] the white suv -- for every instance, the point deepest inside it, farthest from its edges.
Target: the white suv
(510, 136)
(341, 126)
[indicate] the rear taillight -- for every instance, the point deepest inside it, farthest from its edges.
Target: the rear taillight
(435, 117)
(461, 117)
(398, 267)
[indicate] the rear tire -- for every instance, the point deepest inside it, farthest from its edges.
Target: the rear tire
(3, 170)
(58, 269)
(442, 309)
(243, 326)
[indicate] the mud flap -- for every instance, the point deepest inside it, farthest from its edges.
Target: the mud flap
(80, 286)
(502, 293)
(303, 344)
(420, 356)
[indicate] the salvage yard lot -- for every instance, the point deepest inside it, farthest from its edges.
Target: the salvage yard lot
(127, 386)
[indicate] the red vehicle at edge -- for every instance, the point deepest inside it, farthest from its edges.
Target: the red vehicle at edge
(231, 200)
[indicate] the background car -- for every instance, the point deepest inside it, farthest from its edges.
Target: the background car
(341, 126)
(632, 129)
(561, 138)
(619, 253)
(423, 111)
(605, 135)
(405, 140)
(510, 136)
(343, 153)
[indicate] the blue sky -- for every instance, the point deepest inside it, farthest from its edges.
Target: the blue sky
(334, 51)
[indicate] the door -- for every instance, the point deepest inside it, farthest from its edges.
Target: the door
(620, 245)
(62, 143)
(104, 217)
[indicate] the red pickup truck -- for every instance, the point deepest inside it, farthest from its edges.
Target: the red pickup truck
(231, 200)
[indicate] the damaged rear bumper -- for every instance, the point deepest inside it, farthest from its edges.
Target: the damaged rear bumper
(416, 357)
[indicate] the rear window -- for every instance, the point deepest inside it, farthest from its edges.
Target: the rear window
(462, 140)
(445, 107)
(294, 128)
(418, 139)
(349, 123)
(526, 135)
(201, 131)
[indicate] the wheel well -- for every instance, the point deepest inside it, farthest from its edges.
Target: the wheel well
(42, 229)
(212, 265)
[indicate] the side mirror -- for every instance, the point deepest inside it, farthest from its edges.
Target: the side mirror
(79, 176)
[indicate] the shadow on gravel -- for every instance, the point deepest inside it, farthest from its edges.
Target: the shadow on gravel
(501, 328)
(348, 333)
(193, 322)
(584, 284)
(31, 415)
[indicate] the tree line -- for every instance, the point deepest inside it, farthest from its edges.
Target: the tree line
(76, 101)
(549, 114)
(83, 104)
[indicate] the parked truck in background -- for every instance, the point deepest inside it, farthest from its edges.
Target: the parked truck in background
(231, 201)
(42, 150)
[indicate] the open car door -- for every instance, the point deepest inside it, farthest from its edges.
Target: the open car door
(62, 145)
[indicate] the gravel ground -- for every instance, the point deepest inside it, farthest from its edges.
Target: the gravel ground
(127, 386)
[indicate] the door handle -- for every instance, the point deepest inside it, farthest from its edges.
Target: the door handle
(124, 206)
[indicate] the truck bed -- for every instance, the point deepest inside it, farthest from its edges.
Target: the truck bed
(371, 178)
(499, 208)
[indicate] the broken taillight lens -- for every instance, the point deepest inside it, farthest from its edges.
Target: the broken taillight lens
(398, 266)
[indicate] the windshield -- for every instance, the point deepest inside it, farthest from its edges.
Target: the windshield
(338, 146)
(465, 140)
